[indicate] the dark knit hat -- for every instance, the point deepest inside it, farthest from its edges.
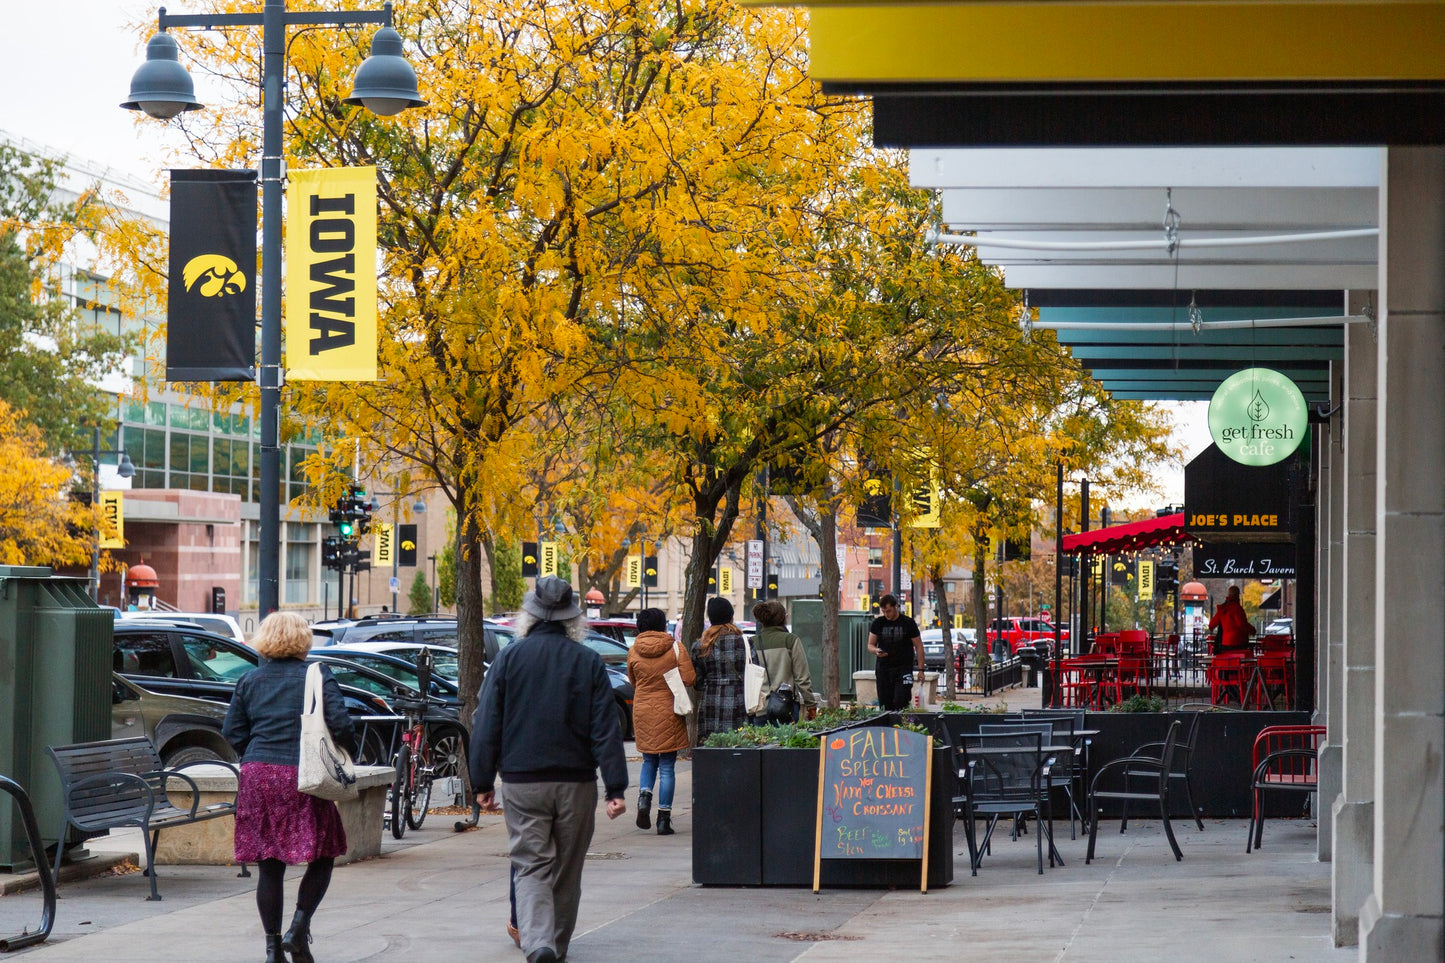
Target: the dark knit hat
(719, 611)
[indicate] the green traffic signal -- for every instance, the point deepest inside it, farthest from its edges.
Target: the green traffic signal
(347, 529)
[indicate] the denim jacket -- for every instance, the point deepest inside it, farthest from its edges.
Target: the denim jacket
(264, 721)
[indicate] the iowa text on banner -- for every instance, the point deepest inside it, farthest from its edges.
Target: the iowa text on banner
(211, 307)
(331, 275)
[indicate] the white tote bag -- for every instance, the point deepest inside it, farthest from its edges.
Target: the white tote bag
(325, 769)
(754, 676)
(681, 703)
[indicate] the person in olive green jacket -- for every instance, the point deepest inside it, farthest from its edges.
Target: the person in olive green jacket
(784, 658)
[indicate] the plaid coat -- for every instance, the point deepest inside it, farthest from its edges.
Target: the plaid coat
(721, 706)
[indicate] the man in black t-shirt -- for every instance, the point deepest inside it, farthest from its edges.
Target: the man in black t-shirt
(895, 639)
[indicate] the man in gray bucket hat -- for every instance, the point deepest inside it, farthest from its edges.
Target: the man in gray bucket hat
(545, 722)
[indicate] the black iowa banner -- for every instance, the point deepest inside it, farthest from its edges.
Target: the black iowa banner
(211, 329)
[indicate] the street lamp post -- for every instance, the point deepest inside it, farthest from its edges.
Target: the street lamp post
(385, 84)
(125, 469)
(436, 589)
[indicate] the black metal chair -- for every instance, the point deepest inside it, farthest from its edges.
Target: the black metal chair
(1131, 771)
(1007, 775)
(1065, 768)
(1179, 771)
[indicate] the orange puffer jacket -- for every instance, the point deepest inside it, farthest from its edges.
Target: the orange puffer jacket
(656, 727)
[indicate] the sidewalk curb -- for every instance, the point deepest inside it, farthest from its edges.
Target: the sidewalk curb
(97, 865)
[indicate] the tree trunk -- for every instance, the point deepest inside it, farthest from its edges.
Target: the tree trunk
(980, 595)
(489, 547)
(945, 619)
(471, 633)
(827, 538)
(708, 539)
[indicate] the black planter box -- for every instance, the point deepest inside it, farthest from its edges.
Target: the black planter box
(755, 819)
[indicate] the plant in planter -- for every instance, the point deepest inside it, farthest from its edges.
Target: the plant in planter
(993, 709)
(1139, 703)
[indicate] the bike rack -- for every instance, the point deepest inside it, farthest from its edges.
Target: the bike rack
(42, 867)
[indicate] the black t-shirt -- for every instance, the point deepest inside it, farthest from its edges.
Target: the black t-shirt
(895, 638)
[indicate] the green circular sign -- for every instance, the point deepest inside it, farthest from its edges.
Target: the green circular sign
(1258, 417)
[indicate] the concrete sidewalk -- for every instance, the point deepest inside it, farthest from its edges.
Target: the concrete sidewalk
(439, 894)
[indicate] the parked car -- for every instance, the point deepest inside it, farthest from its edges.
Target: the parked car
(1012, 634)
(1284, 626)
(623, 630)
(183, 730)
(442, 686)
(436, 629)
(218, 623)
(934, 655)
(444, 662)
(185, 660)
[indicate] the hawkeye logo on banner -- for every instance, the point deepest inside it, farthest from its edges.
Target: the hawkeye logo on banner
(331, 275)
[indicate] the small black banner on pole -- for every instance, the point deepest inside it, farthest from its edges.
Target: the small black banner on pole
(211, 307)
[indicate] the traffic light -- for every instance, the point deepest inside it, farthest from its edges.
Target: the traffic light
(331, 552)
(1166, 577)
(361, 510)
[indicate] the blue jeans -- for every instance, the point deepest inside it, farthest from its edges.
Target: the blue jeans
(652, 764)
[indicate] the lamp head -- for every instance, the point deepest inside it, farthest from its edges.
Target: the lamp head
(385, 84)
(126, 468)
(161, 86)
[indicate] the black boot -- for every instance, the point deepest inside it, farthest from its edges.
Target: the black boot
(664, 822)
(274, 952)
(644, 806)
(297, 940)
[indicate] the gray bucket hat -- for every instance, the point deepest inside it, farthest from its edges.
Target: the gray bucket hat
(551, 601)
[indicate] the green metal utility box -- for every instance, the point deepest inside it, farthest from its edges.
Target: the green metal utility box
(55, 689)
(807, 624)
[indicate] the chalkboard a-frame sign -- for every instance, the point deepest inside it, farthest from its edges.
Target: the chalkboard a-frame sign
(874, 785)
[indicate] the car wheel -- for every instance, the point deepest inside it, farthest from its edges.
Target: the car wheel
(189, 754)
(449, 752)
(622, 721)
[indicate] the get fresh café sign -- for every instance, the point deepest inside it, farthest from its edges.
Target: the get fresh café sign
(1258, 417)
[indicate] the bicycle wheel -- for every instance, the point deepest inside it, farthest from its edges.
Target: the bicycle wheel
(418, 795)
(399, 795)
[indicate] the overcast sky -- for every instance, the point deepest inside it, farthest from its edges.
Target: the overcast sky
(65, 66)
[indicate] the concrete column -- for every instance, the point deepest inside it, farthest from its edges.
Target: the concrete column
(1353, 724)
(1404, 917)
(1330, 606)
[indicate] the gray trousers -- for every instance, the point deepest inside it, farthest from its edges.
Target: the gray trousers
(549, 827)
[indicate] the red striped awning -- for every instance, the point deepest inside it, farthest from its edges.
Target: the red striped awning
(1129, 537)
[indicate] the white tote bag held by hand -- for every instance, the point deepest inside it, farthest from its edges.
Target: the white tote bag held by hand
(754, 676)
(681, 701)
(325, 770)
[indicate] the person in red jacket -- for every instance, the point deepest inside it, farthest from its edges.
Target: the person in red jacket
(1233, 623)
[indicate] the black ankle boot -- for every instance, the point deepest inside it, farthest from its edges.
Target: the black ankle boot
(644, 805)
(274, 952)
(297, 940)
(664, 822)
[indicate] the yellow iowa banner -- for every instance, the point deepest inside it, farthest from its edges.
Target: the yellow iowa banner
(331, 275)
(112, 506)
(383, 544)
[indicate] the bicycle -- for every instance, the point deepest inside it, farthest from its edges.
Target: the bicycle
(415, 760)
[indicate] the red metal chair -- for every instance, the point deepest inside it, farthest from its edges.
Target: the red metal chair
(1285, 758)
(1225, 674)
(1276, 671)
(1132, 676)
(1076, 688)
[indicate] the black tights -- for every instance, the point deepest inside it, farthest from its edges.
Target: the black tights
(269, 895)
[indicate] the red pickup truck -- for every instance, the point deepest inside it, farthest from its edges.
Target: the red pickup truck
(1019, 633)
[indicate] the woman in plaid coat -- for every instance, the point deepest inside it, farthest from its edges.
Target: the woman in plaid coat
(718, 658)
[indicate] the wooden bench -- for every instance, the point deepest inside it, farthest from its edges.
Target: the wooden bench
(122, 782)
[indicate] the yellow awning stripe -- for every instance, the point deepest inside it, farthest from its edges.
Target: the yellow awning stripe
(1129, 42)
